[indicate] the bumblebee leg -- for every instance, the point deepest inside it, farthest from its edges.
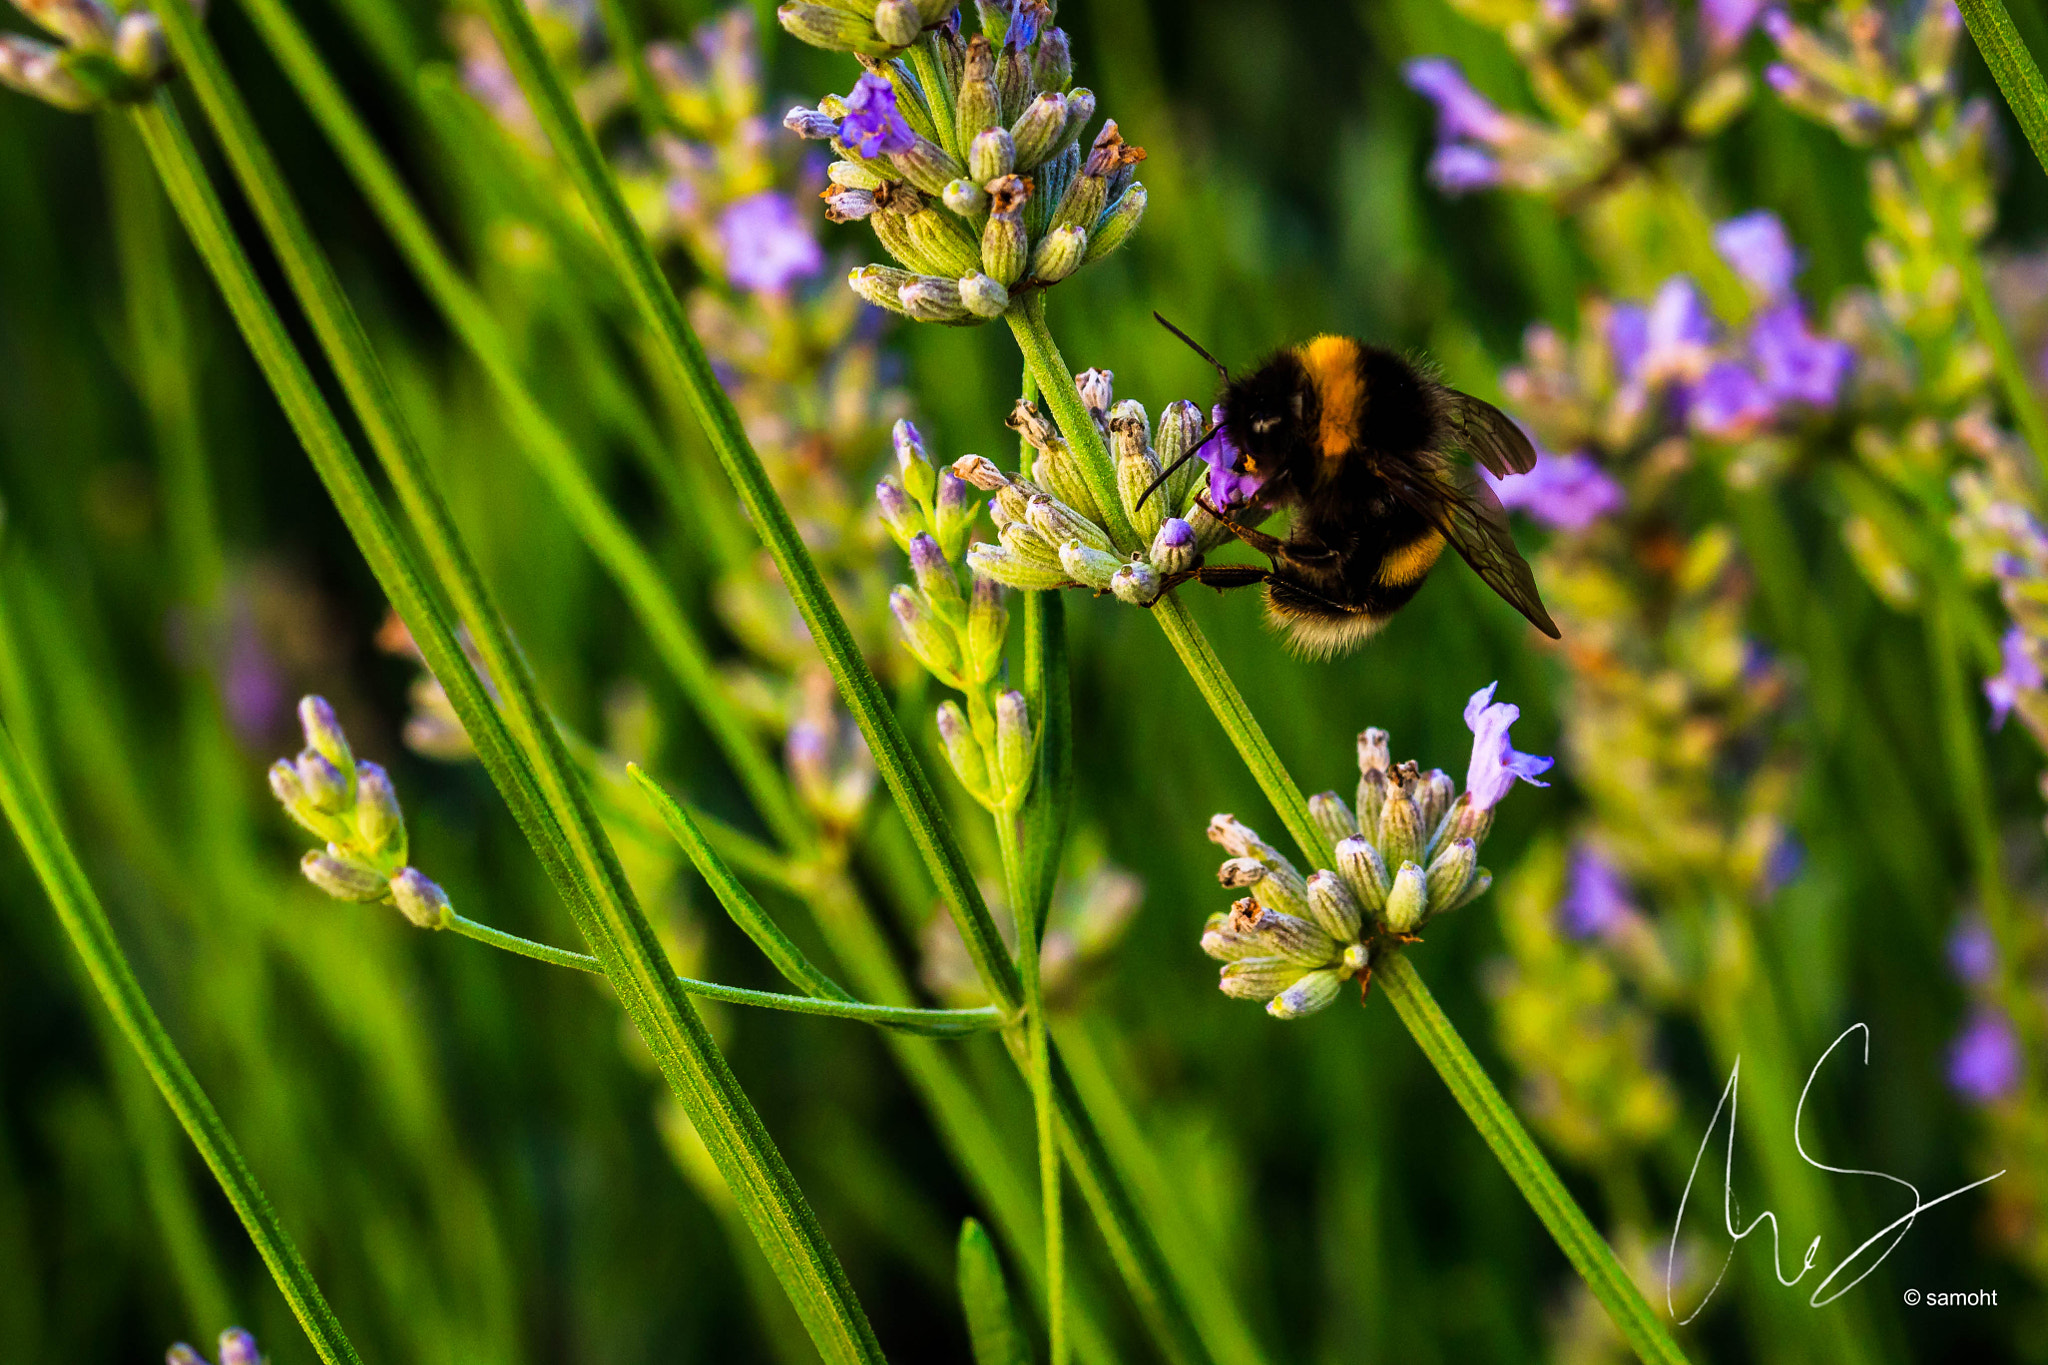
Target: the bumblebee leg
(1271, 546)
(1221, 577)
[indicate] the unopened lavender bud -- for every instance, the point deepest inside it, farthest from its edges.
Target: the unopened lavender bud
(1173, 548)
(324, 735)
(1474, 889)
(1407, 900)
(181, 1353)
(1053, 64)
(1020, 539)
(1136, 583)
(982, 472)
(1015, 570)
(286, 786)
(1450, 872)
(954, 511)
(37, 70)
(897, 22)
(237, 1347)
(1059, 523)
(1332, 816)
(855, 175)
(1465, 821)
(992, 155)
(965, 198)
(977, 105)
(1228, 936)
(1238, 839)
(1372, 798)
(1038, 131)
(1117, 223)
(984, 297)
(920, 480)
(1013, 79)
(1331, 905)
(1292, 937)
(832, 28)
(1717, 102)
(1318, 990)
(378, 817)
(1209, 530)
(1059, 254)
(1005, 246)
(923, 634)
(80, 23)
(1364, 871)
(1373, 755)
(1433, 796)
(902, 516)
(931, 299)
(1259, 978)
(1086, 564)
(988, 621)
(928, 166)
(1013, 745)
(342, 877)
(845, 204)
(326, 789)
(420, 900)
(812, 125)
(139, 47)
(1136, 470)
(1282, 889)
(1236, 873)
(963, 750)
(1080, 109)
(1400, 832)
(880, 285)
(936, 579)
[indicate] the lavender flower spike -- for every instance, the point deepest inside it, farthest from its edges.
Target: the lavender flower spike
(872, 125)
(1758, 248)
(1596, 900)
(766, 244)
(2021, 674)
(1495, 762)
(1462, 112)
(1564, 492)
(1984, 1061)
(1796, 365)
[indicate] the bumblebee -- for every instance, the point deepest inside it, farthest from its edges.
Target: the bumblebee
(1364, 448)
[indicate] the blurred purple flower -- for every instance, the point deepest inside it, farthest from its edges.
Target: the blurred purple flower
(1729, 403)
(1459, 169)
(1495, 762)
(252, 690)
(1727, 22)
(1227, 487)
(872, 125)
(1666, 341)
(1756, 245)
(2022, 673)
(767, 244)
(1972, 955)
(1564, 492)
(1596, 899)
(1461, 111)
(1984, 1061)
(1797, 365)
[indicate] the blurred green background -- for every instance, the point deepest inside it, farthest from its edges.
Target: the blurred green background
(466, 1145)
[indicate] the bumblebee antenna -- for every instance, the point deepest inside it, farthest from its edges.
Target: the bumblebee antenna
(1194, 346)
(1192, 450)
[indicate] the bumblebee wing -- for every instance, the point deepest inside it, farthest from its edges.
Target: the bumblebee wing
(1461, 506)
(1484, 432)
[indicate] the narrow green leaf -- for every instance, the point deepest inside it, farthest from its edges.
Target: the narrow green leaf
(991, 1320)
(2013, 67)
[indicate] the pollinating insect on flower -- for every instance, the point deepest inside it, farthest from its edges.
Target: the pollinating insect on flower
(970, 159)
(1405, 853)
(351, 804)
(100, 57)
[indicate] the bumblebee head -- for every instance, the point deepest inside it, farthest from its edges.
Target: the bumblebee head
(1266, 414)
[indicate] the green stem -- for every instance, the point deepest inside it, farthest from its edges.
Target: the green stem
(1038, 1053)
(625, 43)
(662, 312)
(92, 937)
(535, 774)
(1048, 369)
(1510, 1141)
(1963, 745)
(1940, 201)
(2012, 66)
(923, 1023)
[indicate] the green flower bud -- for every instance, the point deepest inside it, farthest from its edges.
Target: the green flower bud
(965, 198)
(37, 70)
(940, 237)
(988, 622)
(1005, 248)
(378, 818)
(420, 900)
(930, 299)
(1086, 564)
(1315, 991)
(1294, 938)
(920, 480)
(1038, 131)
(1117, 223)
(1408, 900)
(832, 29)
(898, 22)
(1136, 468)
(1180, 426)
(1372, 797)
(1240, 840)
(855, 175)
(978, 105)
(1059, 254)
(928, 166)
(1013, 746)
(1080, 109)
(1209, 531)
(1173, 548)
(1053, 63)
(1259, 978)
(1474, 889)
(880, 285)
(139, 47)
(937, 582)
(1008, 567)
(1433, 796)
(1332, 816)
(1013, 80)
(1400, 830)
(1464, 821)
(1228, 937)
(326, 789)
(1059, 523)
(341, 876)
(963, 750)
(991, 155)
(1136, 583)
(983, 296)
(1716, 103)
(1365, 872)
(1332, 906)
(1450, 872)
(324, 736)
(1020, 539)
(954, 510)
(900, 514)
(927, 639)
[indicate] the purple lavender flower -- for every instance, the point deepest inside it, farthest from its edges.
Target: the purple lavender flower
(1564, 492)
(1596, 899)
(1729, 403)
(2022, 673)
(1972, 955)
(1461, 111)
(1727, 22)
(1228, 487)
(1984, 1061)
(1460, 169)
(872, 125)
(766, 244)
(1495, 762)
(1757, 246)
(1798, 366)
(1667, 341)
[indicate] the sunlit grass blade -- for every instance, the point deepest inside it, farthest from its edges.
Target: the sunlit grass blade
(2013, 67)
(992, 1327)
(92, 937)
